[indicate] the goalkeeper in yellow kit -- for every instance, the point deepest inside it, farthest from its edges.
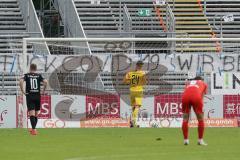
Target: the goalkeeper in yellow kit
(136, 79)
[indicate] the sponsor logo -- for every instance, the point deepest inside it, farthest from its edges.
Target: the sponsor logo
(45, 107)
(3, 113)
(103, 106)
(167, 106)
(8, 112)
(215, 122)
(231, 107)
(52, 123)
(2, 117)
(104, 122)
(69, 108)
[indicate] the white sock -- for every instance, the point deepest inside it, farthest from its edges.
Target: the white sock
(186, 141)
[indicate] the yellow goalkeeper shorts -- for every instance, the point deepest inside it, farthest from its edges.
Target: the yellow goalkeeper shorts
(136, 98)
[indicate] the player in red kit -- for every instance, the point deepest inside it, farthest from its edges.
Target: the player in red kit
(193, 98)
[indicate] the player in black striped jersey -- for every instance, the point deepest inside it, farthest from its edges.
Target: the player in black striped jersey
(32, 91)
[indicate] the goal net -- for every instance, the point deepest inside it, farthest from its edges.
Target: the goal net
(96, 66)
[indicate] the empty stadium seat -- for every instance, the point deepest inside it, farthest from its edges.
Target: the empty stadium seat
(215, 10)
(12, 27)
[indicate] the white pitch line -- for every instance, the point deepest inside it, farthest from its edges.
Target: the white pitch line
(107, 157)
(125, 156)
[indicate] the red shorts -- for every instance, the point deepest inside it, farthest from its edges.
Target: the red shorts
(194, 100)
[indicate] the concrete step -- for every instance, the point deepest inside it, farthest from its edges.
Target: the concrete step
(95, 13)
(192, 27)
(194, 31)
(11, 18)
(4, 1)
(228, 35)
(189, 14)
(220, 9)
(99, 22)
(185, 1)
(94, 9)
(93, 18)
(79, 5)
(11, 50)
(184, 9)
(12, 31)
(12, 23)
(15, 45)
(195, 36)
(190, 18)
(12, 27)
(10, 14)
(176, 5)
(210, 49)
(9, 9)
(9, 5)
(191, 23)
(100, 28)
(178, 44)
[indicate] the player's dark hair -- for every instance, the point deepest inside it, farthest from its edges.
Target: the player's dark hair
(33, 67)
(139, 63)
(198, 78)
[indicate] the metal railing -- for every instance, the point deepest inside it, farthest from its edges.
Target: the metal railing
(127, 23)
(170, 19)
(170, 23)
(118, 7)
(204, 7)
(32, 23)
(127, 20)
(73, 26)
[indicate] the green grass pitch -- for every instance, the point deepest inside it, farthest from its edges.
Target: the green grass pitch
(118, 144)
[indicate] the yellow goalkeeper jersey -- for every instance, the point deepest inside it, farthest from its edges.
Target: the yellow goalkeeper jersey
(136, 80)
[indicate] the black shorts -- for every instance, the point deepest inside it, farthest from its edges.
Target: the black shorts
(33, 102)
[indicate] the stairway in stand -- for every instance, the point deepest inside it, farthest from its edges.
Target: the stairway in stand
(190, 19)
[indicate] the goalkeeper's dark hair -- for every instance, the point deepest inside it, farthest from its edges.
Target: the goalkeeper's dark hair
(198, 78)
(139, 63)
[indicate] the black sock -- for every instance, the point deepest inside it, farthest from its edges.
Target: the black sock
(33, 122)
(36, 121)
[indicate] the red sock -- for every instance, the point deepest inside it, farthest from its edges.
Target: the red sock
(185, 129)
(200, 129)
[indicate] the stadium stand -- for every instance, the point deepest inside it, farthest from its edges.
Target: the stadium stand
(191, 19)
(125, 18)
(108, 15)
(224, 18)
(96, 16)
(116, 16)
(16, 23)
(215, 11)
(12, 27)
(120, 19)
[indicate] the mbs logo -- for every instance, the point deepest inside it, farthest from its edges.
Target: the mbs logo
(107, 106)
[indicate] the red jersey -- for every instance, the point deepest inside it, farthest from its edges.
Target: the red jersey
(196, 85)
